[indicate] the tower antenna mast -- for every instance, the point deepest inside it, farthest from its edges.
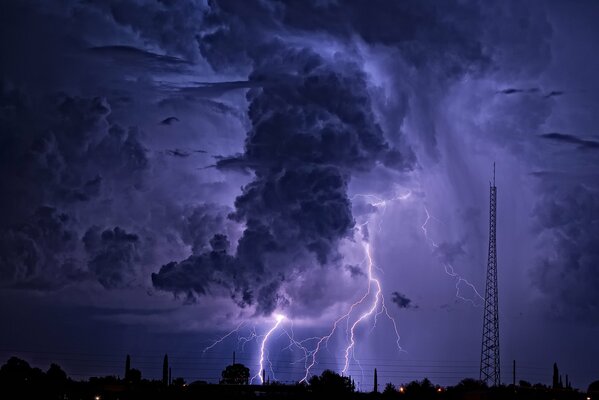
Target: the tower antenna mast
(489, 359)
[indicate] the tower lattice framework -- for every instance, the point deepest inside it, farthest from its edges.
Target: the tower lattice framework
(489, 359)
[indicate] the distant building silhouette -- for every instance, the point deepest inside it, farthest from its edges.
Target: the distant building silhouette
(376, 382)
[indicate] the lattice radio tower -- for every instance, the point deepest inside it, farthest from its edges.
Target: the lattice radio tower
(489, 358)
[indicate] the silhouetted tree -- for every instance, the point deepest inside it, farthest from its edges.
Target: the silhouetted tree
(235, 374)
(593, 388)
(524, 384)
(331, 382)
(178, 382)
(134, 375)
(390, 390)
(467, 388)
(37, 375)
(56, 374)
(469, 384)
(15, 371)
(57, 382)
(420, 390)
(17, 376)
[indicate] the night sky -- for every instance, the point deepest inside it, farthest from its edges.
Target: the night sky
(173, 170)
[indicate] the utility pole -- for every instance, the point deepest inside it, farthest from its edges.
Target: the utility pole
(165, 370)
(127, 367)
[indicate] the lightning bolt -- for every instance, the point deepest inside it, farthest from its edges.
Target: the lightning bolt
(425, 229)
(218, 341)
(449, 270)
(242, 340)
(372, 298)
(278, 319)
(378, 300)
(325, 339)
(380, 202)
(300, 344)
(376, 308)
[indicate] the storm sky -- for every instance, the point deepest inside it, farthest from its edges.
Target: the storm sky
(172, 170)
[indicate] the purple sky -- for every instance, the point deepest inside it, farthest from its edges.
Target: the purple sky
(172, 170)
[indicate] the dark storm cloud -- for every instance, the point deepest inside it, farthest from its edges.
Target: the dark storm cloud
(183, 153)
(547, 95)
(355, 270)
(39, 253)
(302, 146)
(169, 121)
(312, 123)
(193, 276)
(312, 126)
(113, 256)
(408, 22)
(178, 153)
(518, 91)
(424, 32)
(402, 301)
(60, 153)
(571, 139)
(129, 56)
(69, 159)
(567, 273)
(172, 25)
(213, 89)
(198, 225)
(554, 93)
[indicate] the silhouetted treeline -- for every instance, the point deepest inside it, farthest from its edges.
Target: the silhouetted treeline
(18, 380)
